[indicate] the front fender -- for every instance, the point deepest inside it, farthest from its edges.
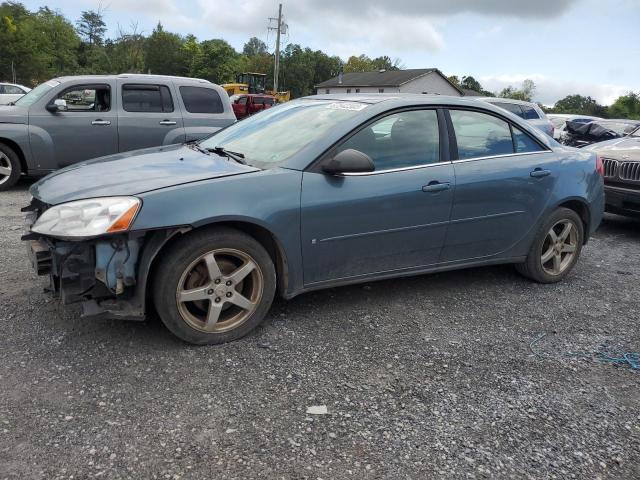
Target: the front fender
(269, 199)
(17, 135)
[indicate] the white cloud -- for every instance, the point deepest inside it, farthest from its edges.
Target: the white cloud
(549, 90)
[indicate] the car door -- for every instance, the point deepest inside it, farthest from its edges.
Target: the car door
(87, 129)
(148, 116)
(504, 178)
(240, 107)
(391, 219)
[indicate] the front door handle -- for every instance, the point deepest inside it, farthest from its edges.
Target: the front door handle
(436, 186)
(101, 122)
(539, 173)
(167, 122)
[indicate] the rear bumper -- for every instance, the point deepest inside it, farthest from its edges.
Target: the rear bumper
(621, 200)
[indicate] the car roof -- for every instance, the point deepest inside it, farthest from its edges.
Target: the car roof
(131, 76)
(505, 100)
(571, 115)
(13, 84)
(400, 98)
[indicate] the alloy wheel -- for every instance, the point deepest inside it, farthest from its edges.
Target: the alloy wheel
(219, 290)
(5, 168)
(559, 247)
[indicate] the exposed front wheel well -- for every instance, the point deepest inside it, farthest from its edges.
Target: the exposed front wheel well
(582, 210)
(260, 234)
(16, 148)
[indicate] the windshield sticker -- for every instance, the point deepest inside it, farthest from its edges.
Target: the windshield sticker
(356, 107)
(52, 83)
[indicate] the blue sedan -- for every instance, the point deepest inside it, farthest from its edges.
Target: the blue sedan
(318, 192)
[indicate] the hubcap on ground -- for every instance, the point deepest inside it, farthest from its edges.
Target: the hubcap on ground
(219, 290)
(559, 248)
(5, 168)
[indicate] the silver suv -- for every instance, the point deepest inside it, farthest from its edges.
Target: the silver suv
(71, 119)
(525, 110)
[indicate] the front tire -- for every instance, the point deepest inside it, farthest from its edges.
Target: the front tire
(10, 168)
(214, 286)
(555, 249)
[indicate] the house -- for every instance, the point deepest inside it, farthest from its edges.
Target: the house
(419, 80)
(472, 93)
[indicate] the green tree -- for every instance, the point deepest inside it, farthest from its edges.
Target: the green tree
(36, 46)
(386, 63)
(455, 80)
(361, 63)
(216, 62)
(191, 51)
(471, 83)
(91, 27)
(163, 53)
(626, 106)
(524, 93)
(579, 105)
(255, 48)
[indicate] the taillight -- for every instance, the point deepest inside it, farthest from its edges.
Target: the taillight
(599, 166)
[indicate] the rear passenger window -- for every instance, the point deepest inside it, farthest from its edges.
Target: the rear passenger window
(530, 113)
(11, 90)
(480, 135)
(524, 143)
(510, 107)
(146, 98)
(201, 100)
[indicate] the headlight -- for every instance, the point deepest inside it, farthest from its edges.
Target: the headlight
(88, 218)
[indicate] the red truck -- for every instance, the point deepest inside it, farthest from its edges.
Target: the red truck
(245, 105)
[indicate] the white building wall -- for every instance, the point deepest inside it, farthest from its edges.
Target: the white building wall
(431, 83)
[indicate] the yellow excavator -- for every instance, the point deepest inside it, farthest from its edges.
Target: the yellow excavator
(251, 82)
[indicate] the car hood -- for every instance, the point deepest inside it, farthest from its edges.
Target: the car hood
(625, 148)
(132, 173)
(13, 114)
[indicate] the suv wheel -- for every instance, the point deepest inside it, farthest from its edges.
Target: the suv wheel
(9, 167)
(214, 286)
(555, 249)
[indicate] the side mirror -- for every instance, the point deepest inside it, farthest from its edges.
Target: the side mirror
(349, 161)
(58, 105)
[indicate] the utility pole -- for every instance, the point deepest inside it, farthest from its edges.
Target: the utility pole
(280, 28)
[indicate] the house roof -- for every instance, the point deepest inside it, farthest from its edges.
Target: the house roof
(382, 78)
(471, 93)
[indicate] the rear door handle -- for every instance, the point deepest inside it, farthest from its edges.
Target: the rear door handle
(101, 122)
(167, 122)
(539, 173)
(436, 186)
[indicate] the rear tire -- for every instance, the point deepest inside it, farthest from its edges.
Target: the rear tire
(10, 168)
(555, 249)
(214, 286)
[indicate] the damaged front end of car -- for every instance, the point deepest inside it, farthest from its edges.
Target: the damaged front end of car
(107, 272)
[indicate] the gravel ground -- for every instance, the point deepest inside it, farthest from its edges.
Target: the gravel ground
(427, 377)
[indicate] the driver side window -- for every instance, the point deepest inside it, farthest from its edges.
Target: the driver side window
(84, 98)
(399, 140)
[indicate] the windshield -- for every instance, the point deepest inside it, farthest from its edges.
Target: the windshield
(34, 95)
(271, 137)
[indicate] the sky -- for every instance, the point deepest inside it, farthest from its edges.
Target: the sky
(590, 47)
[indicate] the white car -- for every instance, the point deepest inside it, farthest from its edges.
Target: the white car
(528, 111)
(10, 92)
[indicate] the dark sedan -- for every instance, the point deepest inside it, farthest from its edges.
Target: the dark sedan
(621, 159)
(315, 193)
